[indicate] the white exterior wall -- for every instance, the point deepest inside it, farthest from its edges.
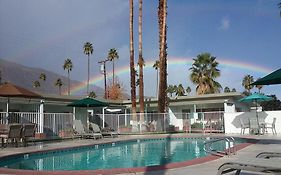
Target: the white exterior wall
(232, 120)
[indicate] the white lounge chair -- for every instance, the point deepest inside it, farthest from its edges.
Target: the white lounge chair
(268, 155)
(80, 131)
(254, 164)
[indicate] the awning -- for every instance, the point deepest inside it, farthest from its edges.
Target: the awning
(272, 78)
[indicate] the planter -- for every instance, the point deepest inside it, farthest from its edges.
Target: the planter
(40, 136)
(66, 134)
(125, 129)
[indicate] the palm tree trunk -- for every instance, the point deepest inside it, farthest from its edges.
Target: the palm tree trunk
(162, 96)
(88, 74)
(132, 66)
(59, 90)
(157, 83)
(105, 88)
(68, 82)
(141, 84)
(113, 71)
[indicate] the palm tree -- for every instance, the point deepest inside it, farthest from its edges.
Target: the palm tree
(162, 17)
(203, 72)
(171, 89)
(259, 87)
(233, 90)
(36, 84)
(247, 81)
(188, 90)
(43, 77)
(88, 50)
(280, 7)
(180, 90)
(59, 83)
(112, 55)
(92, 94)
(68, 66)
(141, 62)
(132, 64)
(226, 89)
(0, 77)
(156, 67)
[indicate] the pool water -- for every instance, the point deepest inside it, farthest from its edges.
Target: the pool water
(137, 153)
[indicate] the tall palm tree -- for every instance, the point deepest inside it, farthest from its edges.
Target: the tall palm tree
(280, 7)
(68, 66)
(59, 83)
(247, 81)
(226, 89)
(88, 50)
(162, 17)
(43, 77)
(156, 67)
(0, 77)
(203, 73)
(171, 89)
(141, 62)
(180, 90)
(36, 84)
(132, 64)
(188, 90)
(112, 55)
(92, 94)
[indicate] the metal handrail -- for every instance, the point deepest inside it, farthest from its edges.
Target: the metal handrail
(231, 149)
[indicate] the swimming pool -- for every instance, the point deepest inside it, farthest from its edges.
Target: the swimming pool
(125, 154)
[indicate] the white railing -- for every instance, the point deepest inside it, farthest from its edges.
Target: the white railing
(162, 122)
(53, 123)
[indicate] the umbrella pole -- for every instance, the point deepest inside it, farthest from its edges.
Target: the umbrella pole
(257, 117)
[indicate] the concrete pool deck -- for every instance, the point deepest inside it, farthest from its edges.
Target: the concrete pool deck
(265, 143)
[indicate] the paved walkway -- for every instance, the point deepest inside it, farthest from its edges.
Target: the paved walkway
(266, 143)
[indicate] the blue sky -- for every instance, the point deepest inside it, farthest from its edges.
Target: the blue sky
(45, 33)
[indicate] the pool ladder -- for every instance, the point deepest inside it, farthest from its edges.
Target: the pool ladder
(229, 151)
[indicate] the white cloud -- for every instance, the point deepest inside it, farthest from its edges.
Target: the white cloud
(225, 24)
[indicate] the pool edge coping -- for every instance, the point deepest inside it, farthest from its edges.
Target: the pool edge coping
(121, 170)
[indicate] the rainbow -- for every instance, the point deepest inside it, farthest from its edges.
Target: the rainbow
(174, 61)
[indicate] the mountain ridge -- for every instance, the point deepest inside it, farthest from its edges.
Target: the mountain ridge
(24, 76)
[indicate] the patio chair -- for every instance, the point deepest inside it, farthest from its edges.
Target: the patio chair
(104, 132)
(28, 131)
(13, 134)
(80, 131)
(254, 165)
(244, 126)
(270, 126)
(254, 126)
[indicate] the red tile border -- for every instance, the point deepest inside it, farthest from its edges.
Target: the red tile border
(120, 170)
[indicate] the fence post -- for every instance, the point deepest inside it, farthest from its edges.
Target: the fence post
(41, 117)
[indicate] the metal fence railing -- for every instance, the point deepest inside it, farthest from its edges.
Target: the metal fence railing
(139, 123)
(206, 122)
(53, 123)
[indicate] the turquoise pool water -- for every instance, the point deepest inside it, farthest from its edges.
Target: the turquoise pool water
(137, 153)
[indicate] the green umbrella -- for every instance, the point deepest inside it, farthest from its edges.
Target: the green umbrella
(255, 97)
(88, 102)
(272, 78)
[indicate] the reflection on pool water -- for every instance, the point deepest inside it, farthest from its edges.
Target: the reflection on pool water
(136, 153)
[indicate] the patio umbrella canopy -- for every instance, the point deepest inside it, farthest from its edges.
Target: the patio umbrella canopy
(11, 90)
(272, 78)
(88, 102)
(255, 97)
